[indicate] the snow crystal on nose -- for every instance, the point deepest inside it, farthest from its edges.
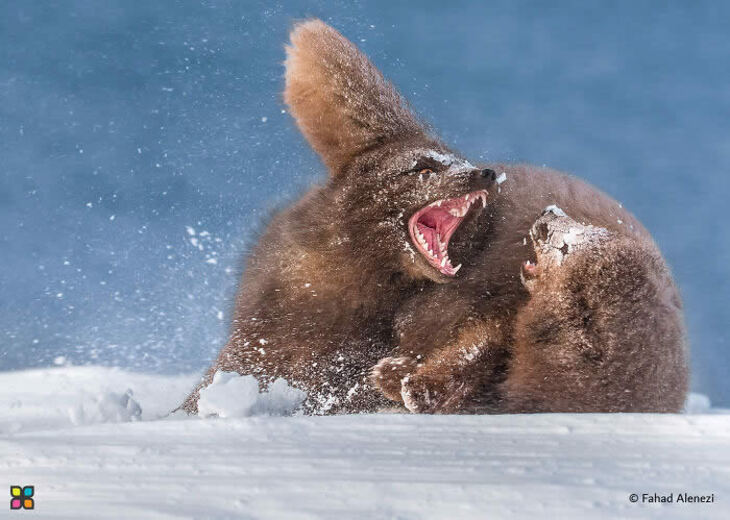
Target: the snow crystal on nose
(552, 208)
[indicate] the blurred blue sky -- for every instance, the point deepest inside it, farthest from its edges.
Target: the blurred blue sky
(142, 144)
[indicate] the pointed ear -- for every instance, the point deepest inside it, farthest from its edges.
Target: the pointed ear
(342, 104)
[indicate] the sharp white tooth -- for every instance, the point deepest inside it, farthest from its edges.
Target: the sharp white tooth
(443, 262)
(456, 269)
(438, 203)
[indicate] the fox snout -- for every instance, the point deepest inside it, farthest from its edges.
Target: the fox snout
(483, 179)
(488, 173)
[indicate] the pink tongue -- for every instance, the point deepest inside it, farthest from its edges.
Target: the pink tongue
(433, 218)
(430, 235)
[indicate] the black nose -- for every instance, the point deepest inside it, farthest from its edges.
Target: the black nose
(488, 173)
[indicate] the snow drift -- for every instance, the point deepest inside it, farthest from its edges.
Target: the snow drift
(98, 443)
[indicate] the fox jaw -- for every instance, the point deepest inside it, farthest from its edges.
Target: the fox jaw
(417, 199)
(431, 227)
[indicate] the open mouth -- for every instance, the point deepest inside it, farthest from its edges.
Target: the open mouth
(431, 228)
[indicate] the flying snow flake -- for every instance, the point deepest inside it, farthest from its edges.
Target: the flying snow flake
(502, 177)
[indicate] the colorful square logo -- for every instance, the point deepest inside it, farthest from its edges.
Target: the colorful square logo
(21, 497)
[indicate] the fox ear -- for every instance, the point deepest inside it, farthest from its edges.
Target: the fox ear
(342, 104)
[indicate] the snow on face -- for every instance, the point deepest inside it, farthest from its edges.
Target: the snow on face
(552, 208)
(454, 163)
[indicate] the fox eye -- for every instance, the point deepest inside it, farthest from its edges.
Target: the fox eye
(422, 167)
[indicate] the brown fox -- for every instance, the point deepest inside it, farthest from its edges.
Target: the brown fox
(413, 278)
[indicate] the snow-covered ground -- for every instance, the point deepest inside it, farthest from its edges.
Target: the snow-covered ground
(92, 449)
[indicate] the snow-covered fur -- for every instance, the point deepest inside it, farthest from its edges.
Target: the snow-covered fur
(352, 296)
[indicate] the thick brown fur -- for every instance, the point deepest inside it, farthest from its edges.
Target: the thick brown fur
(336, 299)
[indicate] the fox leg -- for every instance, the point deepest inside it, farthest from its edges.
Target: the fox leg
(461, 377)
(602, 330)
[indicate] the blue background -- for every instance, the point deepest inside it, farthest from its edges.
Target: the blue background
(123, 124)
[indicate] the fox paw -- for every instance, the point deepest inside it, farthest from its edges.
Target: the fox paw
(416, 396)
(422, 394)
(388, 374)
(555, 236)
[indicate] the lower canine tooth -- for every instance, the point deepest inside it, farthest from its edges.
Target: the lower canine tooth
(456, 269)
